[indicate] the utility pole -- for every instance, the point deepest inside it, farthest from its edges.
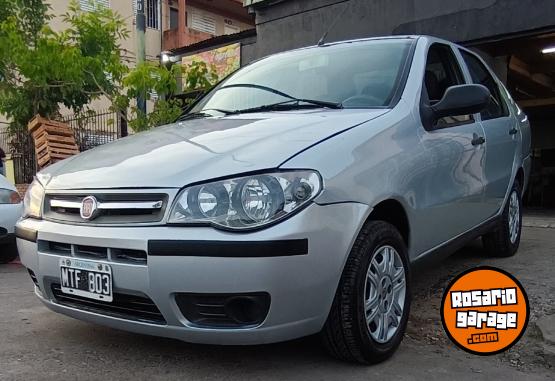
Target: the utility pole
(141, 54)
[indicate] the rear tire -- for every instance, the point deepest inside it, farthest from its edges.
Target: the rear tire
(8, 252)
(370, 311)
(504, 240)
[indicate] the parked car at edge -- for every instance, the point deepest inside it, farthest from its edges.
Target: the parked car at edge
(11, 208)
(292, 199)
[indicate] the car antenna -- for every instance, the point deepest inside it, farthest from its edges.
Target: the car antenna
(322, 40)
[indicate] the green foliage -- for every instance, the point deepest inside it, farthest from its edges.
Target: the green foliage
(42, 69)
(199, 76)
(159, 84)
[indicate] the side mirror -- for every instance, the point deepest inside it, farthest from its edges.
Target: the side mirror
(462, 100)
(458, 100)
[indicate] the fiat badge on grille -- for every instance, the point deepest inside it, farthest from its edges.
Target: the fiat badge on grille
(89, 208)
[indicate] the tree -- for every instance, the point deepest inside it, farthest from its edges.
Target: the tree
(159, 84)
(42, 69)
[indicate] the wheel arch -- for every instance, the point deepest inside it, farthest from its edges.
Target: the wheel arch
(392, 211)
(520, 177)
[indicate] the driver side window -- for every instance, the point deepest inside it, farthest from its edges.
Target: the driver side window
(442, 72)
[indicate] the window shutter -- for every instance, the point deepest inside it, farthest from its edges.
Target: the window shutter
(91, 5)
(203, 22)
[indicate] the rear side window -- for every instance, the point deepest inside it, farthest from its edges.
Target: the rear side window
(480, 75)
(442, 72)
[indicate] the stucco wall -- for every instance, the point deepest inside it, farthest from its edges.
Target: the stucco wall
(295, 23)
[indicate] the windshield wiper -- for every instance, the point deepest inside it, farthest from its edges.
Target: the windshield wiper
(292, 104)
(315, 102)
(259, 87)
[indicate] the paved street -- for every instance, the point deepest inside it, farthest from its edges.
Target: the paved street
(39, 344)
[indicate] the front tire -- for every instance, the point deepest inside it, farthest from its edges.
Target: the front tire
(504, 240)
(371, 307)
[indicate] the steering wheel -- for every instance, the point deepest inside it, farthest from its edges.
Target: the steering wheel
(363, 100)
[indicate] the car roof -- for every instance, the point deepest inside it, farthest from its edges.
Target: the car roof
(335, 43)
(361, 41)
(366, 39)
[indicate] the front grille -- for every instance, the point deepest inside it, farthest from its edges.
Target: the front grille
(112, 208)
(92, 252)
(137, 257)
(130, 307)
(58, 248)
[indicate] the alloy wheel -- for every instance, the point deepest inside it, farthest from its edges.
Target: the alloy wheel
(384, 294)
(514, 216)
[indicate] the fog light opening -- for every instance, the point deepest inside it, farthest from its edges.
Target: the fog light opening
(245, 310)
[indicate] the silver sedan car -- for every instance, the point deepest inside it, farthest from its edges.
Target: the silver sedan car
(292, 199)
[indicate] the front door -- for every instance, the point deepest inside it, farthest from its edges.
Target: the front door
(451, 199)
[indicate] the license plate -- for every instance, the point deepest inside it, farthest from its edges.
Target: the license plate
(91, 280)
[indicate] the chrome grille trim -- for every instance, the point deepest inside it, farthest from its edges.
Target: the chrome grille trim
(117, 207)
(65, 204)
(56, 203)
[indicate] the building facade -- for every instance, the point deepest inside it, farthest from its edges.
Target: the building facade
(193, 21)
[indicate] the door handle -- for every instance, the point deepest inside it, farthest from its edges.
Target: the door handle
(478, 140)
(513, 131)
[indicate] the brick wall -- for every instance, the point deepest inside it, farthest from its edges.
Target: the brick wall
(22, 188)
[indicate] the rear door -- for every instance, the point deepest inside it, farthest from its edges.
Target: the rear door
(501, 134)
(451, 201)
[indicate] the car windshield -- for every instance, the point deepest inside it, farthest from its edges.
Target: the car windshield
(350, 75)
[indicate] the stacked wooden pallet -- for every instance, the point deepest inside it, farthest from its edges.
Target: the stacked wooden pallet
(54, 141)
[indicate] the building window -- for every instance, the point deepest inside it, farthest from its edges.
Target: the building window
(203, 21)
(174, 18)
(151, 13)
(91, 5)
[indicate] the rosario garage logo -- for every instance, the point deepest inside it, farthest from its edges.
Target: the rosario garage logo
(485, 310)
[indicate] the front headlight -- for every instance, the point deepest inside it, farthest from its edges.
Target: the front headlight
(32, 202)
(246, 202)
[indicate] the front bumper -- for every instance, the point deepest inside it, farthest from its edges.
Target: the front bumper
(301, 287)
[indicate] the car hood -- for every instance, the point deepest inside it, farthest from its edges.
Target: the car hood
(201, 149)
